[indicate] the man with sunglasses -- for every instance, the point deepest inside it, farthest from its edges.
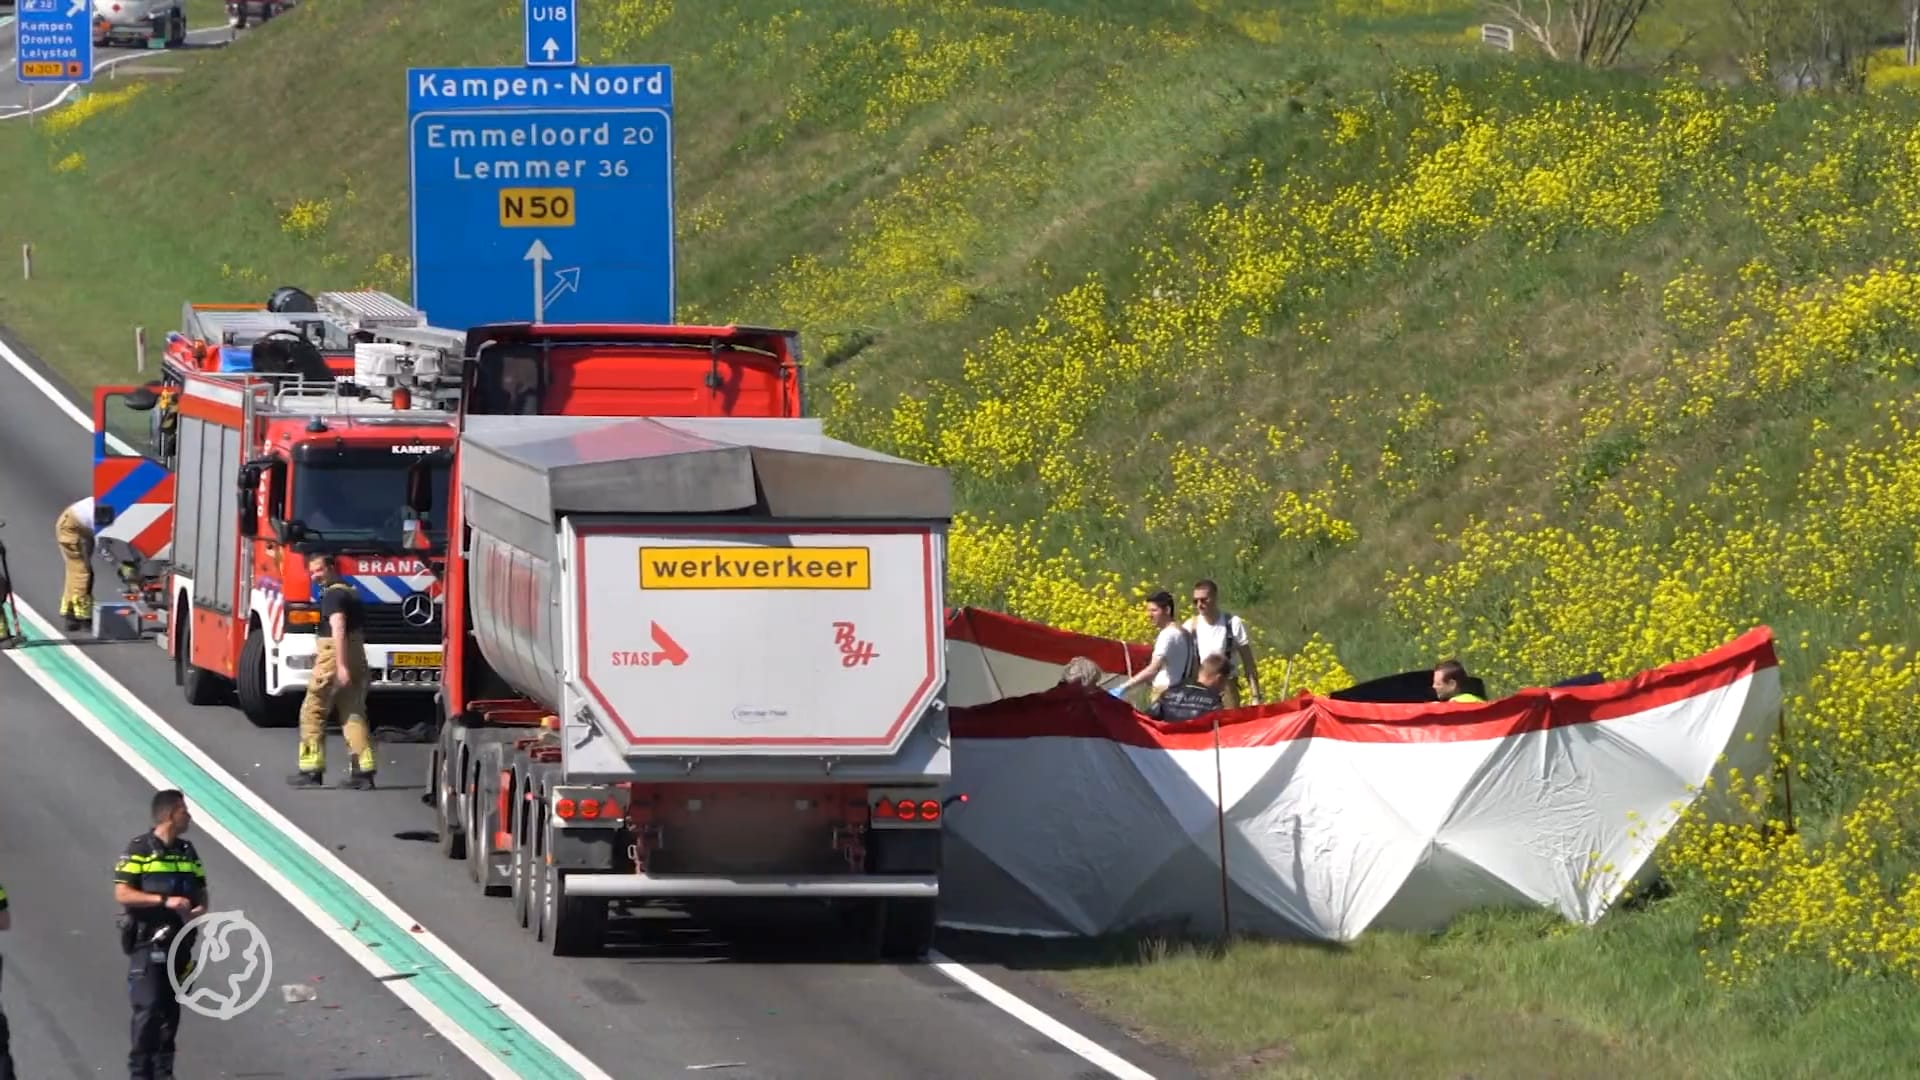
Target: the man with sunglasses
(1218, 633)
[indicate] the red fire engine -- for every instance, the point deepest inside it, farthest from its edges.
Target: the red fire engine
(321, 466)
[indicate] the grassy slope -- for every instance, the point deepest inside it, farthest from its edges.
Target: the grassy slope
(904, 179)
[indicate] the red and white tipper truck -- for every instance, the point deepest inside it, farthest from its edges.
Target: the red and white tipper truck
(694, 647)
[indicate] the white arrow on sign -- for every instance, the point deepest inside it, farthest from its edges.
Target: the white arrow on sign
(537, 254)
(565, 281)
(79, 7)
(550, 48)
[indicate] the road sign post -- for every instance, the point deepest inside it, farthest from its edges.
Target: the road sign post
(53, 41)
(554, 186)
(553, 38)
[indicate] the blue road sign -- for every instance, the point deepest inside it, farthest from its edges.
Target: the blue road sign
(542, 195)
(54, 41)
(552, 37)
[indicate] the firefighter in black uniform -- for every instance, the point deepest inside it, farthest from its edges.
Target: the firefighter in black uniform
(162, 885)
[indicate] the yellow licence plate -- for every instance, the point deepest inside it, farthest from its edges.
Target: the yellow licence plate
(414, 659)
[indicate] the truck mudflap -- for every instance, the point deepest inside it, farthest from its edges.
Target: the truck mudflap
(689, 887)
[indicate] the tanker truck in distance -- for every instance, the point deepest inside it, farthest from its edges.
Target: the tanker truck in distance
(694, 647)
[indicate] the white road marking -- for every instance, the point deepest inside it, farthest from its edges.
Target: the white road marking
(986, 989)
(1032, 1016)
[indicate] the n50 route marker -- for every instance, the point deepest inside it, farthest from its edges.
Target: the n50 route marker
(553, 38)
(542, 193)
(53, 40)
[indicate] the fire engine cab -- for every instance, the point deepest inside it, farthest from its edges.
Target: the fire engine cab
(211, 490)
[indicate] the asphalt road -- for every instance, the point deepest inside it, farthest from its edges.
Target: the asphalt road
(783, 1001)
(15, 95)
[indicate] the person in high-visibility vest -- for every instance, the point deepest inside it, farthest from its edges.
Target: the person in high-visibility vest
(338, 681)
(73, 530)
(1450, 682)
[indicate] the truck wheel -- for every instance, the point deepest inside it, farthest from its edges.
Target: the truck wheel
(261, 707)
(906, 929)
(177, 29)
(578, 925)
(539, 902)
(453, 840)
(476, 828)
(200, 686)
(522, 888)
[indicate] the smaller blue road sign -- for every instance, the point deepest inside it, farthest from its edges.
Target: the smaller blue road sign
(552, 38)
(542, 195)
(54, 41)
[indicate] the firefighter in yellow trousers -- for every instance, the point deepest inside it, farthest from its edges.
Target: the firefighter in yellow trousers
(73, 530)
(338, 681)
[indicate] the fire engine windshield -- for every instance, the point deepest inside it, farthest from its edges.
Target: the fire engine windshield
(363, 503)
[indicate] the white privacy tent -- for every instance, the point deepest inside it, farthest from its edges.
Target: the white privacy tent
(1085, 817)
(991, 656)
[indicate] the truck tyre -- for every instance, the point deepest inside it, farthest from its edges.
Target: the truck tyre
(200, 686)
(446, 810)
(577, 926)
(476, 826)
(905, 930)
(177, 28)
(261, 707)
(523, 834)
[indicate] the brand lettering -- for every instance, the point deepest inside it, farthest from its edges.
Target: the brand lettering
(387, 567)
(746, 568)
(415, 449)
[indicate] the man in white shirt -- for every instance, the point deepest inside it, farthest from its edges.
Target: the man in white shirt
(1217, 633)
(1174, 661)
(73, 530)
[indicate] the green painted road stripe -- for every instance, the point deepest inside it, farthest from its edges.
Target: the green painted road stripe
(396, 945)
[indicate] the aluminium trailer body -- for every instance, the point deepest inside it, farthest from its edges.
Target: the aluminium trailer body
(727, 635)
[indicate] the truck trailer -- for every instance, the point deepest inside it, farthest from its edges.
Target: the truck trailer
(694, 646)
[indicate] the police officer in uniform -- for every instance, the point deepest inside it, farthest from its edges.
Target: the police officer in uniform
(162, 885)
(339, 680)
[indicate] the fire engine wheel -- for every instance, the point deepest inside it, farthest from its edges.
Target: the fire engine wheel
(261, 707)
(200, 686)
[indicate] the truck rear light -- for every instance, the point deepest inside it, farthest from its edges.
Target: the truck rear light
(585, 806)
(898, 809)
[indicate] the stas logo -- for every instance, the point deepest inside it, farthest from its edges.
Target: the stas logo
(415, 448)
(385, 567)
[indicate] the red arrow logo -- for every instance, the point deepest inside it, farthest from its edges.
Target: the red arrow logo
(670, 650)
